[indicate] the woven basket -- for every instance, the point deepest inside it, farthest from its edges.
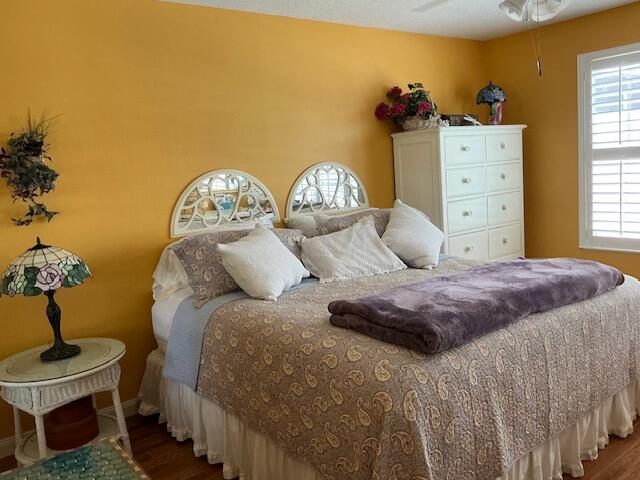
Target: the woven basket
(418, 123)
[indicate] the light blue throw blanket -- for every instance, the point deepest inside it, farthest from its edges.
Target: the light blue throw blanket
(182, 360)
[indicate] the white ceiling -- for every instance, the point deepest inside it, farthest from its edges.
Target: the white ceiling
(474, 19)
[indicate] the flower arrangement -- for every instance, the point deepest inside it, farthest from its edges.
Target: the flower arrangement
(23, 166)
(414, 106)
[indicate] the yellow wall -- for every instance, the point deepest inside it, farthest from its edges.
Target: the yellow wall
(153, 94)
(549, 106)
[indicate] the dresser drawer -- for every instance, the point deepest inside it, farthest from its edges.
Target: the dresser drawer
(505, 241)
(506, 176)
(471, 245)
(502, 147)
(464, 149)
(504, 208)
(466, 214)
(465, 181)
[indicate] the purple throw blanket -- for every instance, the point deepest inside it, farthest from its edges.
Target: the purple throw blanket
(444, 312)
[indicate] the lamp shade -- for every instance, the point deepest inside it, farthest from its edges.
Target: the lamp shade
(491, 94)
(43, 268)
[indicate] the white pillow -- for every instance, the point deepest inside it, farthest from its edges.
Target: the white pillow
(261, 265)
(356, 251)
(412, 237)
(169, 276)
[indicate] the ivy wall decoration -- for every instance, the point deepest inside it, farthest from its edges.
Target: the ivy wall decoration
(23, 165)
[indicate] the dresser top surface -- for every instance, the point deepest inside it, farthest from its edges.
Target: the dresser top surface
(468, 129)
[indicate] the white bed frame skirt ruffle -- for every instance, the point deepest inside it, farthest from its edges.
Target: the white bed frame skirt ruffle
(250, 455)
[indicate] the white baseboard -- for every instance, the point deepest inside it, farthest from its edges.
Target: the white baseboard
(7, 447)
(130, 408)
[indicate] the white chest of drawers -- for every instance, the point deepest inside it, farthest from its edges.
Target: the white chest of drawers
(468, 180)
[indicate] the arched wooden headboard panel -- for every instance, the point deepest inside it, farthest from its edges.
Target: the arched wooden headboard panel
(222, 199)
(326, 188)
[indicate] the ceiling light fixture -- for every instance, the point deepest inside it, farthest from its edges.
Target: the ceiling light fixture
(535, 10)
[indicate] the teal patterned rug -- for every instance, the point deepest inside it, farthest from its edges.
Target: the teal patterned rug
(104, 460)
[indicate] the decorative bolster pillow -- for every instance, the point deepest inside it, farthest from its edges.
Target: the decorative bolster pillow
(356, 251)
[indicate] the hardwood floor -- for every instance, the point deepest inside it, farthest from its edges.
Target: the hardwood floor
(620, 460)
(163, 458)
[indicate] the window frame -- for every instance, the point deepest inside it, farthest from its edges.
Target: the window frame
(585, 161)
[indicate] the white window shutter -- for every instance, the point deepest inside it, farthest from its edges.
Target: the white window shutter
(610, 148)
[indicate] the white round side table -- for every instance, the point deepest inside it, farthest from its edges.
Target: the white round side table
(38, 387)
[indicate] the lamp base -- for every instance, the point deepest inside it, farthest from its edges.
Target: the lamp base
(59, 351)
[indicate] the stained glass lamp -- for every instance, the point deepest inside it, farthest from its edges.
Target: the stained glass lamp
(494, 96)
(45, 269)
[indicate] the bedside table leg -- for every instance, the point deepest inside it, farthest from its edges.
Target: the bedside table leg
(42, 438)
(17, 425)
(122, 424)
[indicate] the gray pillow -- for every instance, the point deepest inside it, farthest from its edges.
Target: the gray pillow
(335, 224)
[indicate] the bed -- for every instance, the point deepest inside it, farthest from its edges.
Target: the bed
(280, 393)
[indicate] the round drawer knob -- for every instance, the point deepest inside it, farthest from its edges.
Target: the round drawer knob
(467, 213)
(505, 240)
(503, 176)
(466, 180)
(503, 146)
(504, 208)
(466, 148)
(468, 249)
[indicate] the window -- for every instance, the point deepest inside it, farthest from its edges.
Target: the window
(609, 115)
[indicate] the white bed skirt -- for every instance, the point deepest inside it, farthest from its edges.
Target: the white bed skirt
(252, 456)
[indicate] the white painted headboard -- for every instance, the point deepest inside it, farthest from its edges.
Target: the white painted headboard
(222, 199)
(327, 188)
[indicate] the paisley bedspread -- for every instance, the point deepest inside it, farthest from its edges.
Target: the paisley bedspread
(357, 408)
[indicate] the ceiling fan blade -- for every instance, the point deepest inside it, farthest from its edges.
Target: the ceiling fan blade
(516, 10)
(428, 6)
(541, 10)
